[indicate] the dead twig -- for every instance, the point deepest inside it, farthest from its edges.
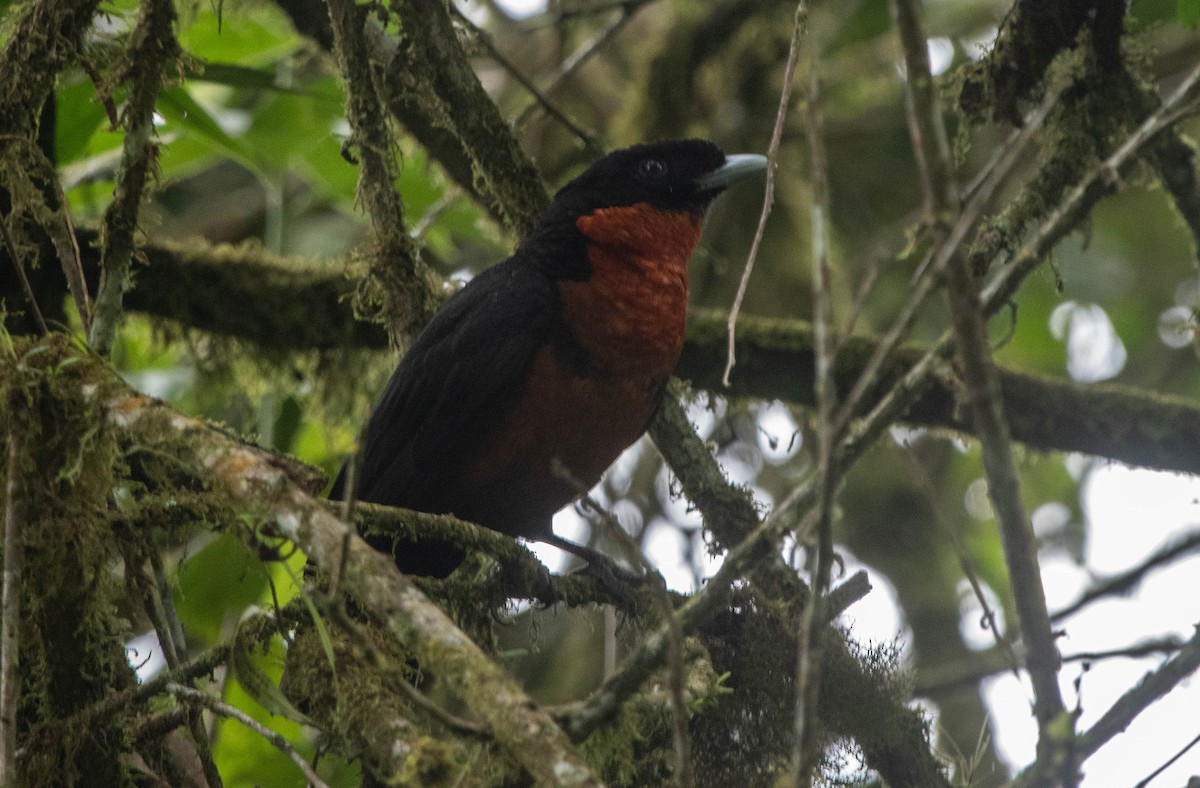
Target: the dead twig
(785, 93)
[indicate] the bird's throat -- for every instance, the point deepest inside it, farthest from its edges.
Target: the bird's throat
(630, 312)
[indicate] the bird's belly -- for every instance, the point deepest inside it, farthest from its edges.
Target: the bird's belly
(555, 444)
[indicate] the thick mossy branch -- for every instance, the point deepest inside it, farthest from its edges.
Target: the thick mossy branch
(1039, 45)
(893, 738)
(251, 483)
(1119, 422)
(248, 480)
(280, 304)
(1033, 34)
(70, 636)
(365, 705)
(521, 575)
(47, 39)
(730, 511)
(251, 294)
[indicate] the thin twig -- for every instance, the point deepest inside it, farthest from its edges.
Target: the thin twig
(170, 617)
(874, 266)
(155, 595)
(451, 721)
(994, 661)
(1143, 783)
(806, 745)
(589, 139)
(928, 273)
(965, 562)
(30, 298)
(579, 57)
(73, 261)
(200, 665)
(1125, 582)
(684, 773)
(785, 94)
(1154, 685)
(276, 740)
(983, 395)
(433, 213)
(10, 597)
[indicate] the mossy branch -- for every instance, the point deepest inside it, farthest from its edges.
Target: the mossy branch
(47, 39)
(250, 481)
(425, 78)
(152, 52)
(280, 305)
(402, 286)
(452, 96)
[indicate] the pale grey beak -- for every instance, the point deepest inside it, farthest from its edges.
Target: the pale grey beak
(737, 167)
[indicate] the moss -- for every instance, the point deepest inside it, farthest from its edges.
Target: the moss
(365, 713)
(71, 633)
(434, 66)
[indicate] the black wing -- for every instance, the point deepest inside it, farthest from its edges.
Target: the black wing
(458, 378)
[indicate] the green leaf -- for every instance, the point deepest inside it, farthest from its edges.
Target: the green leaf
(255, 681)
(287, 424)
(867, 21)
(79, 117)
(235, 76)
(178, 106)
(255, 35)
(222, 579)
(1187, 12)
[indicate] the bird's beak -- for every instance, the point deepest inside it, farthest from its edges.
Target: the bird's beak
(737, 167)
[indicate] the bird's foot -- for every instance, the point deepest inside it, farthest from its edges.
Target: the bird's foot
(616, 579)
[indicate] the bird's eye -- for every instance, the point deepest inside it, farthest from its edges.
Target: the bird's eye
(651, 169)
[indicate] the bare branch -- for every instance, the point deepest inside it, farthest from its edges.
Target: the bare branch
(10, 596)
(589, 139)
(785, 94)
(983, 394)
(276, 740)
(1153, 686)
(1125, 582)
(580, 56)
(809, 650)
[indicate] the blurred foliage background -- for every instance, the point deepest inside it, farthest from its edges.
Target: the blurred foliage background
(251, 153)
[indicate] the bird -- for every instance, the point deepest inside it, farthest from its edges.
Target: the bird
(534, 377)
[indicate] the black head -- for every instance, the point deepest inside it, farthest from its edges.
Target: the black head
(670, 175)
(673, 175)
